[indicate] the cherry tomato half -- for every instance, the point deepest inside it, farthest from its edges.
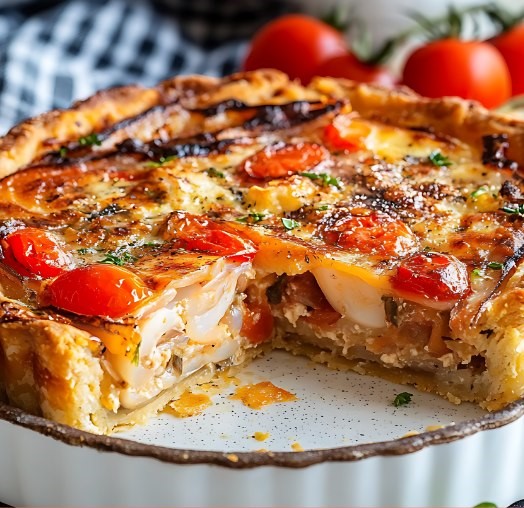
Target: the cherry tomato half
(346, 133)
(347, 66)
(191, 232)
(295, 44)
(367, 232)
(32, 252)
(279, 161)
(431, 275)
(511, 46)
(453, 67)
(98, 290)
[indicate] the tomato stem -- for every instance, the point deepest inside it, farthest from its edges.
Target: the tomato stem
(502, 18)
(442, 27)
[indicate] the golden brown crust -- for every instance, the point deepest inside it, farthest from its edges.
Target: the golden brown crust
(451, 116)
(42, 364)
(41, 360)
(27, 140)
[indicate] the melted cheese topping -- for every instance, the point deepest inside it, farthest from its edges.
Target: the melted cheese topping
(119, 206)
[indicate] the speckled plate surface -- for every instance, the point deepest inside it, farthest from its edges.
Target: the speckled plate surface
(339, 419)
(334, 409)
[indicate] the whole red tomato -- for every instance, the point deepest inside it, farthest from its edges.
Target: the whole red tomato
(468, 69)
(295, 44)
(511, 46)
(349, 67)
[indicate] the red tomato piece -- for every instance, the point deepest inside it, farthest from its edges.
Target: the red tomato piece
(32, 252)
(349, 67)
(192, 232)
(453, 67)
(368, 232)
(279, 161)
(295, 44)
(305, 290)
(344, 133)
(431, 275)
(98, 290)
(511, 46)
(257, 322)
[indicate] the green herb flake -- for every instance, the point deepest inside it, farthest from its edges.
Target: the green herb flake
(252, 218)
(402, 399)
(136, 355)
(325, 178)
(495, 266)
(214, 172)
(62, 152)
(438, 159)
(477, 272)
(90, 140)
(479, 192)
(118, 258)
(290, 224)
(323, 208)
(160, 162)
(518, 210)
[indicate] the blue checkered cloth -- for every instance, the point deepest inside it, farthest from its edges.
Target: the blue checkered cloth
(54, 52)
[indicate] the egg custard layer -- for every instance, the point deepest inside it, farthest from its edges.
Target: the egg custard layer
(152, 237)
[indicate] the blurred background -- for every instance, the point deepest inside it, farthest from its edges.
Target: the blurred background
(54, 52)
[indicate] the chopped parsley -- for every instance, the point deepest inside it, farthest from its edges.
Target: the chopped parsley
(518, 210)
(495, 266)
(290, 224)
(90, 140)
(62, 152)
(438, 159)
(214, 172)
(160, 162)
(118, 258)
(479, 192)
(253, 217)
(402, 399)
(325, 178)
(136, 355)
(322, 208)
(477, 272)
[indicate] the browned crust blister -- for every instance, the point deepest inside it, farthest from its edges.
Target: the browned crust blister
(53, 369)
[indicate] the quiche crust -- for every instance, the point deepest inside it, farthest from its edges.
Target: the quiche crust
(53, 368)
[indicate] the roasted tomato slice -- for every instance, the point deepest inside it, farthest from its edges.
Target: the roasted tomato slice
(193, 232)
(98, 290)
(367, 231)
(346, 133)
(32, 252)
(279, 161)
(257, 322)
(432, 276)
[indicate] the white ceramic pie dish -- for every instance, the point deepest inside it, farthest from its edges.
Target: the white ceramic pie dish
(355, 455)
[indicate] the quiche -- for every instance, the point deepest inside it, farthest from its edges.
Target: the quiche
(151, 238)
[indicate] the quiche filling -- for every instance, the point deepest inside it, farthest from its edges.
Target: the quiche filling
(193, 236)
